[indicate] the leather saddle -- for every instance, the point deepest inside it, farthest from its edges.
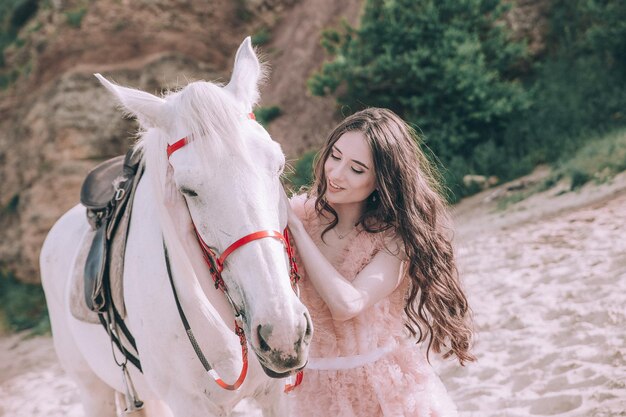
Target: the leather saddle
(107, 194)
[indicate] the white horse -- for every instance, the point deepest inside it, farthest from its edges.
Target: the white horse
(225, 181)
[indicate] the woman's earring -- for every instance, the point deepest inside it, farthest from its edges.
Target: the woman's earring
(373, 198)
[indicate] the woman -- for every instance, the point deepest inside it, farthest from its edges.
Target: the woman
(378, 270)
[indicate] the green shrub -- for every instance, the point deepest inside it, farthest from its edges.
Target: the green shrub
(601, 158)
(301, 174)
(242, 11)
(75, 17)
(22, 306)
(513, 198)
(446, 66)
(265, 115)
(262, 37)
(579, 178)
(8, 78)
(12, 205)
(22, 12)
(14, 14)
(452, 69)
(578, 88)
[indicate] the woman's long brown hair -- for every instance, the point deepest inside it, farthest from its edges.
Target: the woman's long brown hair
(408, 200)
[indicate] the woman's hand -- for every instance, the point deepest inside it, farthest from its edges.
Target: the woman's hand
(345, 299)
(293, 221)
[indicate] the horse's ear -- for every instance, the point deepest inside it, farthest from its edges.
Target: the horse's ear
(246, 75)
(149, 109)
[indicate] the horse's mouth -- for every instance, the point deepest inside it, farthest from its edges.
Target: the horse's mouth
(273, 374)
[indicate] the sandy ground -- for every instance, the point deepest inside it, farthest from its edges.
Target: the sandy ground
(547, 282)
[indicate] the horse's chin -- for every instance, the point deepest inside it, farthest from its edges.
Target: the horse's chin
(274, 374)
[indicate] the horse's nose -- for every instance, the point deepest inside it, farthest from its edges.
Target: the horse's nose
(305, 332)
(308, 332)
(305, 339)
(264, 332)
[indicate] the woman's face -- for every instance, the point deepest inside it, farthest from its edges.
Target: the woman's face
(349, 170)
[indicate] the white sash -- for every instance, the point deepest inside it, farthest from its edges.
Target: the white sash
(349, 362)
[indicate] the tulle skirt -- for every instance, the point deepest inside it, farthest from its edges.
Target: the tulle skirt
(401, 383)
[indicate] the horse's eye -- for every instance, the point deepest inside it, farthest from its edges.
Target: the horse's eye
(188, 192)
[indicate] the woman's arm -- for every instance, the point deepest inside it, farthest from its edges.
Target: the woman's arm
(345, 299)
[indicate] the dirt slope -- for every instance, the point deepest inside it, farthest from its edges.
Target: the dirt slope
(57, 122)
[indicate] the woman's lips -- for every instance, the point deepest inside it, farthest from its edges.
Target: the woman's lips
(334, 187)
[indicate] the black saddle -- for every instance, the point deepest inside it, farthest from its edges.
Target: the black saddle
(107, 194)
(107, 186)
(97, 190)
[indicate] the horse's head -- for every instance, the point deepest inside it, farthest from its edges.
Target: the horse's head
(225, 180)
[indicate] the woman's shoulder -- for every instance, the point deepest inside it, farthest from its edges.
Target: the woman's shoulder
(391, 242)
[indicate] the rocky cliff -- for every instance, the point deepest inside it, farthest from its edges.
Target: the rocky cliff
(57, 122)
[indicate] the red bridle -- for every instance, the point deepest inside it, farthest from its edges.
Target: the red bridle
(182, 142)
(216, 266)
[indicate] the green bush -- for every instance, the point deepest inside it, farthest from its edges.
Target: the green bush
(242, 11)
(579, 178)
(12, 205)
(447, 66)
(14, 14)
(75, 17)
(578, 89)
(590, 28)
(22, 306)
(301, 175)
(262, 37)
(6, 79)
(23, 10)
(265, 115)
(452, 69)
(601, 158)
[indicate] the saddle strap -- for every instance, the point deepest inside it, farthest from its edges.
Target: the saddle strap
(110, 242)
(115, 339)
(113, 323)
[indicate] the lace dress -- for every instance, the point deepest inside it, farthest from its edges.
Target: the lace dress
(365, 366)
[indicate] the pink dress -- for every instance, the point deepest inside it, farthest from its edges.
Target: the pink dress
(366, 366)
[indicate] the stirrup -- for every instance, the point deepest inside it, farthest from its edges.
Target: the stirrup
(134, 405)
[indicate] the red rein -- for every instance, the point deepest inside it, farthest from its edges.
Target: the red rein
(216, 266)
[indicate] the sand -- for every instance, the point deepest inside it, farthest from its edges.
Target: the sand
(32, 383)
(548, 292)
(547, 283)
